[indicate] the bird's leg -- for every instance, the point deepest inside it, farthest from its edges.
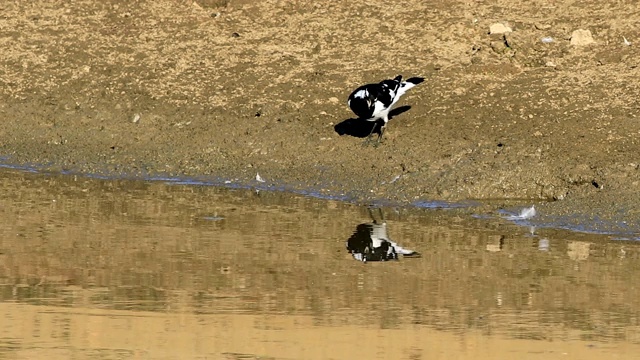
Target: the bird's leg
(373, 218)
(381, 133)
(381, 214)
(384, 126)
(368, 139)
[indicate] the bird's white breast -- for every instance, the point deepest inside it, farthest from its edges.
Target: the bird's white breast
(379, 234)
(379, 111)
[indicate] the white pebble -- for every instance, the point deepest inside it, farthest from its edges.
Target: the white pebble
(499, 28)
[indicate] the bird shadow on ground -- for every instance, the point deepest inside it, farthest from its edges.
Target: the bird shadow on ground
(361, 128)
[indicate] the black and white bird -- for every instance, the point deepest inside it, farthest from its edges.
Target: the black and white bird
(373, 102)
(370, 242)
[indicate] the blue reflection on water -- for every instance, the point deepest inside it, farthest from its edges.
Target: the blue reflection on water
(579, 223)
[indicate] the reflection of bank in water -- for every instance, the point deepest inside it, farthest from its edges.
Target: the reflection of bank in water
(370, 242)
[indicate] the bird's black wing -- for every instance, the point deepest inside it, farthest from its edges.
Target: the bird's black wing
(360, 240)
(384, 95)
(387, 90)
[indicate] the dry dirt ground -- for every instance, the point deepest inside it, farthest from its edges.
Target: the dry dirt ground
(226, 89)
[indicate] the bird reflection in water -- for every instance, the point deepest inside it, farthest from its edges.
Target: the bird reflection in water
(370, 242)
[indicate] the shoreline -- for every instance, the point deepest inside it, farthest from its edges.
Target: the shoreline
(487, 209)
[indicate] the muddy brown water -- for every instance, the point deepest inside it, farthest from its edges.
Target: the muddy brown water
(119, 269)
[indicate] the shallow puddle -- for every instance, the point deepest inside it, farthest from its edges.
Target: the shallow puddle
(117, 269)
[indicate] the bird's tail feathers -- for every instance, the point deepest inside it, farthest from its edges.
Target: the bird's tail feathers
(406, 252)
(408, 84)
(415, 80)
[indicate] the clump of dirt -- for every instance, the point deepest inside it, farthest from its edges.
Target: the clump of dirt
(227, 89)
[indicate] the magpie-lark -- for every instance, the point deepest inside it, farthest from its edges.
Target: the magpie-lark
(373, 102)
(370, 242)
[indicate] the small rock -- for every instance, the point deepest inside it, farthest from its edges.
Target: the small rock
(498, 46)
(581, 37)
(334, 100)
(136, 118)
(499, 28)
